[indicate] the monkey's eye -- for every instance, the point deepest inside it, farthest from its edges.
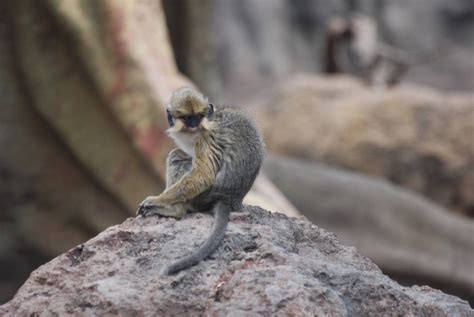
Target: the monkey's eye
(170, 118)
(210, 112)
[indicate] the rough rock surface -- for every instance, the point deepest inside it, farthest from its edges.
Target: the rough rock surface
(414, 136)
(268, 264)
(409, 237)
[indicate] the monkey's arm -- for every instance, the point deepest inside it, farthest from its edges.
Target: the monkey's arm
(200, 178)
(191, 185)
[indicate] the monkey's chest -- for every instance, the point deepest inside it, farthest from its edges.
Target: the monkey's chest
(185, 142)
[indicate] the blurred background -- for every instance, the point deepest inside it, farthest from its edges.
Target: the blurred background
(367, 108)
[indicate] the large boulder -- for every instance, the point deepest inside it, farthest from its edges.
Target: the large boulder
(412, 239)
(416, 137)
(268, 264)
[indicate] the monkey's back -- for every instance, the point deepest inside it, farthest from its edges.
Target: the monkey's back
(241, 144)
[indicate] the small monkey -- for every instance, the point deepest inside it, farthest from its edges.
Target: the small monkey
(219, 155)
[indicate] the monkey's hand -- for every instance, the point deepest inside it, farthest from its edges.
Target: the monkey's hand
(151, 206)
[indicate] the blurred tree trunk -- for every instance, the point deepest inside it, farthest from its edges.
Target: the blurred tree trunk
(83, 86)
(189, 23)
(82, 130)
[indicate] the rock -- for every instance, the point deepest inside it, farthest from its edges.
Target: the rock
(410, 238)
(268, 264)
(416, 137)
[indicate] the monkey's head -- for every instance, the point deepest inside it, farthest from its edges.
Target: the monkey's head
(189, 111)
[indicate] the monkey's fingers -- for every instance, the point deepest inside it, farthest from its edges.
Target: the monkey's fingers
(149, 208)
(146, 206)
(144, 210)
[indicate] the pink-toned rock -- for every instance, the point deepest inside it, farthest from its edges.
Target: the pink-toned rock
(409, 237)
(268, 264)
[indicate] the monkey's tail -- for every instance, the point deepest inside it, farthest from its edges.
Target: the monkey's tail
(221, 219)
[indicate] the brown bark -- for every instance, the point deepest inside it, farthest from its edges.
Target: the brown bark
(82, 139)
(189, 23)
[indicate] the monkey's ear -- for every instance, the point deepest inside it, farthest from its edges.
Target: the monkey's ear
(210, 112)
(170, 118)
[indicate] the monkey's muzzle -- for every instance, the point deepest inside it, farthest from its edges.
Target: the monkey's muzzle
(193, 121)
(191, 130)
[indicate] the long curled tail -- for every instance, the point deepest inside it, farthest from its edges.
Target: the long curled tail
(221, 219)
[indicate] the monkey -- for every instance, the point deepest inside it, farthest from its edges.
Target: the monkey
(218, 156)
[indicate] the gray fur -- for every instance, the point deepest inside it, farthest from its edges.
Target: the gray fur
(240, 150)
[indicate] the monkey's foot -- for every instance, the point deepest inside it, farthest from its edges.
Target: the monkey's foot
(149, 207)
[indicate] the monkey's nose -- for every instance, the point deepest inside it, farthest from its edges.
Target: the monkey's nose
(192, 121)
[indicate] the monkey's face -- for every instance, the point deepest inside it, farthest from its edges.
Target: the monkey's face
(190, 115)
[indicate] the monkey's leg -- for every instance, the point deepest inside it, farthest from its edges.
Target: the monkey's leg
(200, 178)
(178, 163)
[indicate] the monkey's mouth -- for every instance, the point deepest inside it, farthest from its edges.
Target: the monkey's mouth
(191, 130)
